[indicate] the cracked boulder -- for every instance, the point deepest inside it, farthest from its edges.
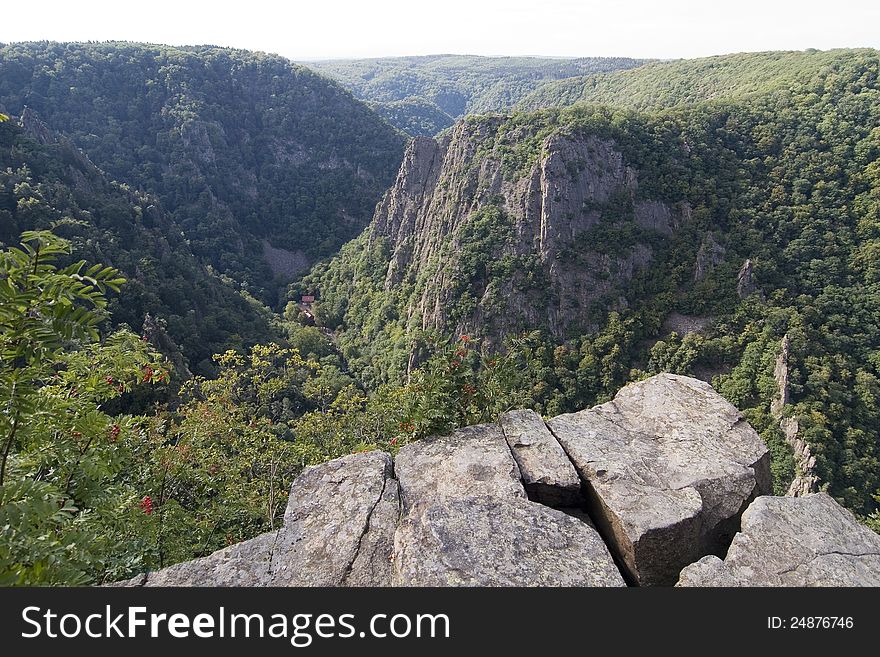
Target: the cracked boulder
(372, 565)
(327, 519)
(548, 475)
(670, 466)
(472, 462)
(491, 541)
(468, 521)
(338, 531)
(794, 541)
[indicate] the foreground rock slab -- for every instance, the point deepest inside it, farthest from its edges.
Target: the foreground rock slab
(244, 564)
(794, 541)
(631, 491)
(670, 466)
(327, 517)
(467, 520)
(338, 531)
(547, 473)
(472, 462)
(490, 541)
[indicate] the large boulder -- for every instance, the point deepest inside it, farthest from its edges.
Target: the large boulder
(547, 473)
(794, 541)
(338, 531)
(328, 515)
(472, 462)
(490, 541)
(670, 466)
(467, 521)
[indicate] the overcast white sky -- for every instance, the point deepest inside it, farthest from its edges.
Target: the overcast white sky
(320, 29)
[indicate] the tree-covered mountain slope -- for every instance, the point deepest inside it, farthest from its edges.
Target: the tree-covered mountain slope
(424, 95)
(663, 84)
(46, 182)
(265, 165)
(737, 222)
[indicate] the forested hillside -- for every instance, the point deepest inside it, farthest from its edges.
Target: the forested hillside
(658, 85)
(423, 95)
(46, 182)
(607, 230)
(264, 165)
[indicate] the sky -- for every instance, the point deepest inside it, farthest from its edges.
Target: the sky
(328, 29)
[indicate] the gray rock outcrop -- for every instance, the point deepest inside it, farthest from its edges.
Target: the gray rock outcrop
(745, 286)
(549, 477)
(805, 479)
(491, 541)
(649, 488)
(670, 466)
(548, 204)
(794, 541)
(468, 522)
(710, 255)
(34, 127)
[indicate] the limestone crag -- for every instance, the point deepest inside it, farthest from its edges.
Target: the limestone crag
(745, 284)
(710, 255)
(643, 490)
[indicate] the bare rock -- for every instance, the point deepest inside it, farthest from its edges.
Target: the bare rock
(489, 541)
(670, 466)
(243, 564)
(805, 480)
(656, 216)
(472, 462)
(745, 286)
(373, 564)
(328, 514)
(34, 127)
(548, 475)
(710, 255)
(794, 541)
(338, 530)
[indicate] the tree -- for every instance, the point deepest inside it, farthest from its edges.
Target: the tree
(65, 505)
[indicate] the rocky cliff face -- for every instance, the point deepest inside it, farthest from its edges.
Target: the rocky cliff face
(630, 492)
(493, 230)
(805, 479)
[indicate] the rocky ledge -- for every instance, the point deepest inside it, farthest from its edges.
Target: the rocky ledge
(665, 484)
